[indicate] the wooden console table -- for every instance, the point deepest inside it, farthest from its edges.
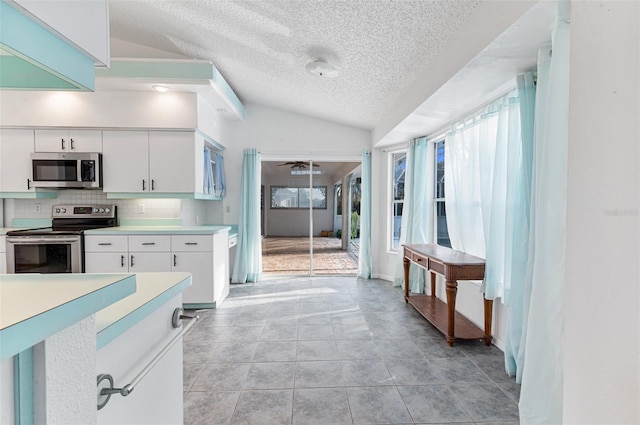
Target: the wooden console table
(453, 265)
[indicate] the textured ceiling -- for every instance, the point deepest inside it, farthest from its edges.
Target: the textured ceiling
(261, 47)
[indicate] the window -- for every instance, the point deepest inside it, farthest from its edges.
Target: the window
(441, 213)
(283, 197)
(398, 169)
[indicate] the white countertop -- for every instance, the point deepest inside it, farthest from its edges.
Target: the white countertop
(153, 290)
(35, 306)
(143, 230)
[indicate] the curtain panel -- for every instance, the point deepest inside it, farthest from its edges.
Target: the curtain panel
(417, 214)
(208, 184)
(364, 255)
(248, 260)
(482, 164)
(220, 177)
(541, 393)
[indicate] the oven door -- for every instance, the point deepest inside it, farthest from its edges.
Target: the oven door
(44, 254)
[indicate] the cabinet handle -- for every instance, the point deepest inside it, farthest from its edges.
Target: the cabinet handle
(153, 184)
(72, 148)
(122, 261)
(28, 184)
(132, 261)
(104, 243)
(175, 260)
(148, 243)
(62, 140)
(191, 243)
(144, 187)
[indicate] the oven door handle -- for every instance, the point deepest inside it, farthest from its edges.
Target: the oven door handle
(31, 241)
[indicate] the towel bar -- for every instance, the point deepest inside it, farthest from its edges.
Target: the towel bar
(104, 394)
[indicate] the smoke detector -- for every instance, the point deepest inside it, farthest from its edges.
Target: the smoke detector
(322, 68)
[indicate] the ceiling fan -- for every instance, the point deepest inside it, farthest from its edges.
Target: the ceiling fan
(298, 164)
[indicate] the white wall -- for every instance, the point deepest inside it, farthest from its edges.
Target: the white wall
(281, 135)
(601, 323)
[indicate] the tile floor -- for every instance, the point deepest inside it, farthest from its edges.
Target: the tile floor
(333, 351)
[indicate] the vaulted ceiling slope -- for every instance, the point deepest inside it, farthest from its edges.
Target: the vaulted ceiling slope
(391, 55)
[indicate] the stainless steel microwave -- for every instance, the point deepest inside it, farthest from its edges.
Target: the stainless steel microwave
(67, 170)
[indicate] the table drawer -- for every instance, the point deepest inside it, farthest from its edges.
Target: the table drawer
(422, 261)
(102, 243)
(186, 243)
(149, 243)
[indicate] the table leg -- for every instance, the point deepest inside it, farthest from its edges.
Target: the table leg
(433, 284)
(452, 289)
(488, 314)
(406, 264)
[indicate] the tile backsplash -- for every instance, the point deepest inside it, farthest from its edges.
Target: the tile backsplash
(190, 211)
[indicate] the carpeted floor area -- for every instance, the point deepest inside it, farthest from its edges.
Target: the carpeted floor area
(291, 256)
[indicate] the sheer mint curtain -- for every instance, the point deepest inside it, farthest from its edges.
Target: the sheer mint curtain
(516, 320)
(482, 160)
(541, 392)
(417, 212)
(248, 260)
(364, 256)
(208, 186)
(220, 177)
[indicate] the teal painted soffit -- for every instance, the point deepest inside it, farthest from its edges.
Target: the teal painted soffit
(32, 58)
(175, 71)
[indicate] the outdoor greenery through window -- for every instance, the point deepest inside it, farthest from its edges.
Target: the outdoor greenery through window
(441, 213)
(283, 197)
(399, 167)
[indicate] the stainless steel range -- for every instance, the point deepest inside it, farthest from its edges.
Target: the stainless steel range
(60, 248)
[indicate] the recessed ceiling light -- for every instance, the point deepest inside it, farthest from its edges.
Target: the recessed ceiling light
(161, 88)
(322, 68)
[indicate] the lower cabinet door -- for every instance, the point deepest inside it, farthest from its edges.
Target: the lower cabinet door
(149, 262)
(106, 262)
(199, 264)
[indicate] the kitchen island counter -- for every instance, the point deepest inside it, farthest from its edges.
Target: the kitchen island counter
(35, 306)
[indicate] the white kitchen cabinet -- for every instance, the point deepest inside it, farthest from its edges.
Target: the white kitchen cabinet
(152, 162)
(106, 254)
(16, 147)
(173, 162)
(68, 140)
(121, 253)
(125, 161)
(149, 262)
(149, 253)
(207, 258)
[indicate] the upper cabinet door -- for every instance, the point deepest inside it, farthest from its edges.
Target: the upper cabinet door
(125, 161)
(172, 161)
(16, 147)
(68, 140)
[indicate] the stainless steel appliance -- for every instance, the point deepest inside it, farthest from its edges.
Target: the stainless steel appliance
(60, 248)
(66, 170)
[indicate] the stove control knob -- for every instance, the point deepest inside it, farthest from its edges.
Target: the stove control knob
(57, 210)
(107, 210)
(95, 210)
(63, 210)
(101, 210)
